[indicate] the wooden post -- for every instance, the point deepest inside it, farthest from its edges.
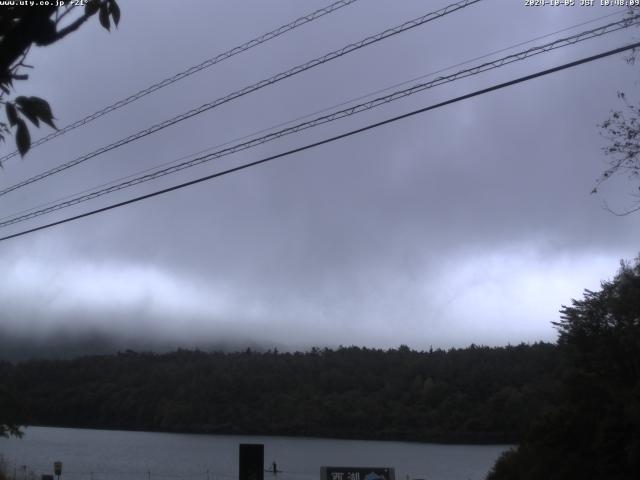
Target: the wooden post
(251, 461)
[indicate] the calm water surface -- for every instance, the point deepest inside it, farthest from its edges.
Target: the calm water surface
(117, 455)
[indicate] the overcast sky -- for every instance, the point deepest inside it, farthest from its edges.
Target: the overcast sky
(469, 223)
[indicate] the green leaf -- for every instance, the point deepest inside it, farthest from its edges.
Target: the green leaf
(12, 114)
(26, 108)
(43, 110)
(23, 139)
(115, 12)
(91, 7)
(104, 16)
(30, 116)
(44, 31)
(36, 108)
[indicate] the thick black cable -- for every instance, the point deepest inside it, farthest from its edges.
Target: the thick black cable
(353, 110)
(115, 181)
(190, 71)
(330, 139)
(249, 89)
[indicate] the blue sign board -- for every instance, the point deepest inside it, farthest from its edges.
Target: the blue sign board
(357, 473)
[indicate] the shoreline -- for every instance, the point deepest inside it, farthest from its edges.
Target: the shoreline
(499, 441)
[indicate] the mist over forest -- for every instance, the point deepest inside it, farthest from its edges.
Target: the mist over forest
(68, 344)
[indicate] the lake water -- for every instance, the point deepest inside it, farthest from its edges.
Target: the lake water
(118, 455)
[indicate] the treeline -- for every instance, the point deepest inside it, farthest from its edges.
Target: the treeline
(475, 395)
(592, 432)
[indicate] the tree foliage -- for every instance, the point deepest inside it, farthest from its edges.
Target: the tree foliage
(594, 431)
(11, 414)
(21, 27)
(478, 394)
(622, 131)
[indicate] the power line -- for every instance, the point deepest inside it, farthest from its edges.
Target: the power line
(599, 31)
(252, 88)
(308, 115)
(317, 112)
(190, 71)
(579, 37)
(330, 139)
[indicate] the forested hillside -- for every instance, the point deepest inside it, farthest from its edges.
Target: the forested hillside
(477, 394)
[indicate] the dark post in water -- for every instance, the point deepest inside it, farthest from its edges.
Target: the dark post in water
(251, 461)
(57, 469)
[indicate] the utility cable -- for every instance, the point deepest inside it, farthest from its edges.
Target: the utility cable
(330, 139)
(252, 88)
(190, 71)
(579, 37)
(309, 115)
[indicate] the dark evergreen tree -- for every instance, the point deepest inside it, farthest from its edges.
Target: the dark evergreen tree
(594, 431)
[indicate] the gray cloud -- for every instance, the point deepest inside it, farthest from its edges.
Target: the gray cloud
(472, 223)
